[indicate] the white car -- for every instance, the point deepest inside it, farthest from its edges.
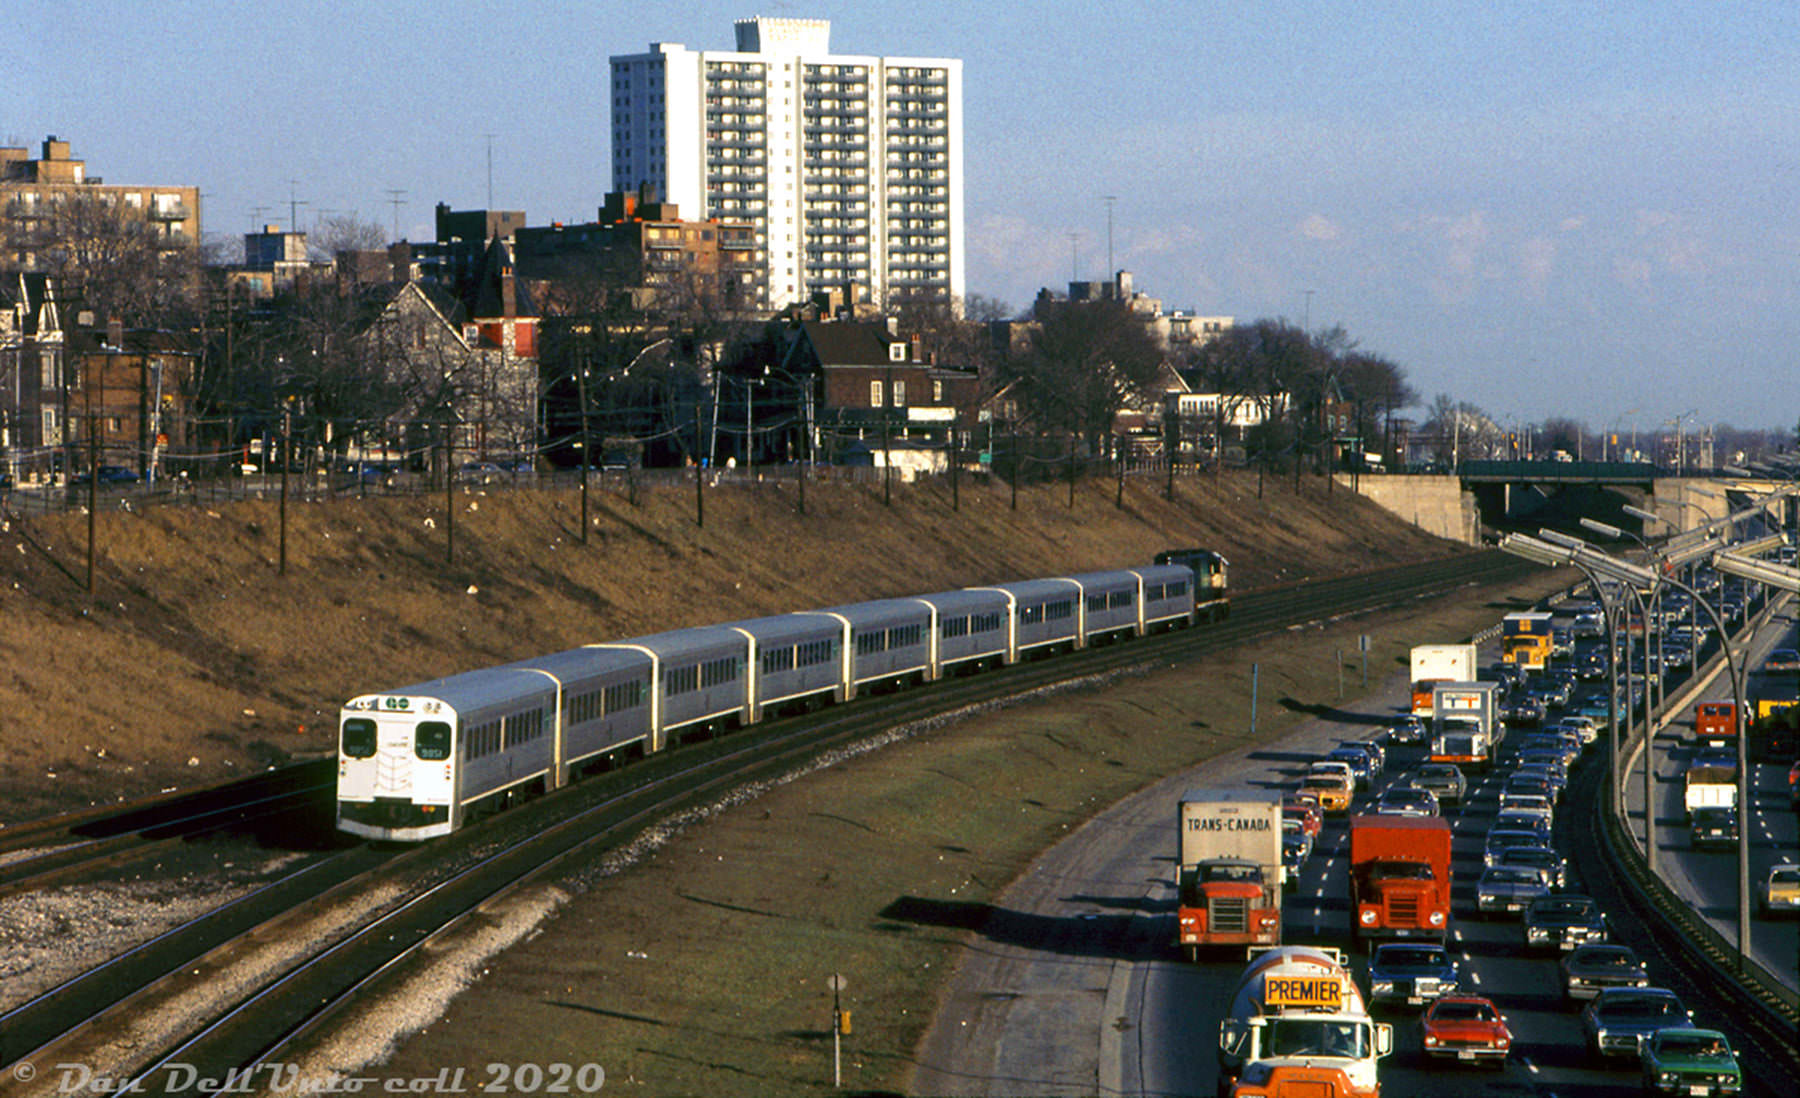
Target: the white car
(1781, 892)
(1584, 727)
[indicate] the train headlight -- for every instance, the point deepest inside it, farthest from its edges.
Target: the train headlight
(1367, 916)
(1437, 918)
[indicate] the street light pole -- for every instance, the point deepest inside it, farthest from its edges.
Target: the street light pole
(1557, 549)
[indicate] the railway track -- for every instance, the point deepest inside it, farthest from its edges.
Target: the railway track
(58, 849)
(227, 991)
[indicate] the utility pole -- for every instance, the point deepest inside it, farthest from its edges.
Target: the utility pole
(287, 431)
(1109, 199)
(490, 169)
(294, 205)
(396, 199)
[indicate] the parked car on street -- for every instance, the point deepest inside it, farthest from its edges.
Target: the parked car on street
(114, 475)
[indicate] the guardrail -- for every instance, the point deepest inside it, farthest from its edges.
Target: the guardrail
(1738, 974)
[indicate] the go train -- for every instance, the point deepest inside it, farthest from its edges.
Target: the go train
(422, 760)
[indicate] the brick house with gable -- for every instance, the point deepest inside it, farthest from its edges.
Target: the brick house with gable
(876, 391)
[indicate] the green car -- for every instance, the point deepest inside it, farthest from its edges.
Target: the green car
(1679, 1060)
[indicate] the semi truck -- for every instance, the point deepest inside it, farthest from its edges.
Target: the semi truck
(1465, 723)
(1435, 663)
(1400, 877)
(1298, 1007)
(1526, 639)
(1229, 869)
(1708, 786)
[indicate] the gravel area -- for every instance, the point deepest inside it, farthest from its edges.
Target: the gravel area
(50, 936)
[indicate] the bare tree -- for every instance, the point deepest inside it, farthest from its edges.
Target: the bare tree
(1083, 363)
(107, 257)
(343, 233)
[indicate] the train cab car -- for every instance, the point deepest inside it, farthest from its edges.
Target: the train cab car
(971, 630)
(414, 762)
(1109, 605)
(1212, 594)
(887, 642)
(1166, 600)
(604, 704)
(1043, 616)
(795, 660)
(701, 678)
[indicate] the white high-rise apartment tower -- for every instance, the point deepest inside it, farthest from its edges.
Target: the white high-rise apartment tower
(850, 167)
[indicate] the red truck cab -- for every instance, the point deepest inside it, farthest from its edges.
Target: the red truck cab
(1400, 876)
(1715, 724)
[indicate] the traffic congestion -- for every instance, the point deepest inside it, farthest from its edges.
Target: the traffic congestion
(1427, 863)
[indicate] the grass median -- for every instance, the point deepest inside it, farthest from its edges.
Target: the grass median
(701, 967)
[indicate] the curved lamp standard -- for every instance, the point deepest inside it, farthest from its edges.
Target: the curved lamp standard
(1575, 551)
(1538, 552)
(1655, 691)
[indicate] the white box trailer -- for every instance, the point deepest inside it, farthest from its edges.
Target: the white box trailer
(1435, 663)
(1229, 871)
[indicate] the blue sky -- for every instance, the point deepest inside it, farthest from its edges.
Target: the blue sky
(1582, 209)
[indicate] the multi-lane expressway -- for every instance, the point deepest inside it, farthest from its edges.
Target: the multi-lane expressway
(1708, 879)
(1078, 988)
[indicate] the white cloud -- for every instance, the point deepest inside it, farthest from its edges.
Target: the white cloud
(1320, 227)
(1537, 262)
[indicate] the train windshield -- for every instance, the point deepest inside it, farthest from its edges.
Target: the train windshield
(358, 740)
(432, 741)
(1296, 1037)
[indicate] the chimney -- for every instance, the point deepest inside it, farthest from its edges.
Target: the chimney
(115, 332)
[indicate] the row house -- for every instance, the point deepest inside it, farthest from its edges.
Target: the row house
(130, 399)
(475, 376)
(32, 410)
(880, 395)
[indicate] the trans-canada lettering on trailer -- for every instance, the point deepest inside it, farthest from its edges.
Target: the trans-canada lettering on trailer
(1228, 823)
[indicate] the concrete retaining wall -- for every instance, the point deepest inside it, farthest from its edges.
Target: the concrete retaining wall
(1436, 504)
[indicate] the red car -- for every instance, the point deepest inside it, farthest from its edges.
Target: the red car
(1298, 806)
(1794, 783)
(1466, 1028)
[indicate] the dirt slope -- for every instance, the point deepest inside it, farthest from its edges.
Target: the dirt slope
(195, 661)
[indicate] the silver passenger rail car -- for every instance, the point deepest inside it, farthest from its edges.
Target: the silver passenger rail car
(604, 705)
(1212, 592)
(701, 678)
(422, 760)
(1043, 616)
(887, 642)
(972, 631)
(795, 662)
(1110, 605)
(1167, 600)
(413, 763)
